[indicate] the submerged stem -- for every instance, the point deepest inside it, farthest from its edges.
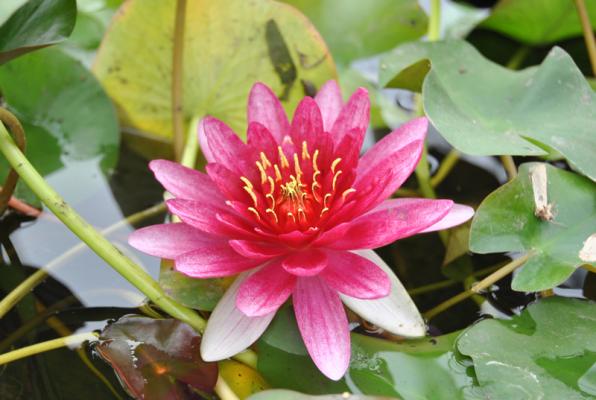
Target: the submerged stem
(72, 340)
(131, 271)
(25, 287)
(15, 127)
(480, 286)
(445, 168)
(509, 166)
(588, 32)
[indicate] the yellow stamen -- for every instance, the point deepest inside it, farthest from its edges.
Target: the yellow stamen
(272, 184)
(282, 158)
(315, 167)
(297, 166)
(337, 174)
(334, 164)
(277, 173)
(262, 171)
(302, 214)
(264, 160)
(270, 211)
(347, 192)
(326, 199)
(272, 199)
(255, 212)
(292, 216)
(246, 182)
(305, 153)
(323, 211)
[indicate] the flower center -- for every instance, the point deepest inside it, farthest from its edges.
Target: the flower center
(298, 191)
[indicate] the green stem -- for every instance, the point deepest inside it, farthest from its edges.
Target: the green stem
(434, 21)
(588, 32)
(480, 286)
(431, 287)
(445, 168)
(518, 57)
(191, 149)
(177, 74)
(99, 244)
(509, 166)
(40, 275)
(72, 340)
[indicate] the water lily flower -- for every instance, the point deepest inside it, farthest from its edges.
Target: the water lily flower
(295, 212)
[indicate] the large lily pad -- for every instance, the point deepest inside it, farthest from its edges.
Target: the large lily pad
(65, 112)
(278, 394)
(506, 222)
(156, 359)
(538, 22)
(548, 352)
(355, 29)
(228, 46)
(35, 24)
(484, 109)
(417, 369)
(201, 294)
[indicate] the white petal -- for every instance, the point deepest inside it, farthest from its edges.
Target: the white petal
(395, 313)
(229, 331)
(456, 216)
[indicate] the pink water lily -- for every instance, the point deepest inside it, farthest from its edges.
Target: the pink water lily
(295, 212)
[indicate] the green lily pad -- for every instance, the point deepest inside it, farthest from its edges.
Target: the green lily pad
(356, 29)
(200, 294)
(415, 369)
(229, 45)
(506, 221)
(538, 22)
(156, 359)
(548, 352)
(35, 24)
(66, 114)
(484, 109)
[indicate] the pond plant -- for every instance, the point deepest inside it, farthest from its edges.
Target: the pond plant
(282, 185)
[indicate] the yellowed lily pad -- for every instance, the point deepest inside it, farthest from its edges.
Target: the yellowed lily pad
(228, 45)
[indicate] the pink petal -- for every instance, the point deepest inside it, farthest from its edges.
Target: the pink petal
(305, 263)
(168, 240)
(355, 276)
(228, 182)
(307, 124)
(393, 219)
(213, 260)
(323, 325)
(353, 118)
(458, 214)
(229, 331)
(185, 182)
(206, 217)
(257, 250)
(265, 108)
(395, 313)
(265, 290)
(330, 103)
(261, 140)
(226, 147)
(395, 156)
(203, 142)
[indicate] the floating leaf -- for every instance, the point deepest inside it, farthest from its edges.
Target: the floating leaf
(278, 394)
(156, 359)
(201, 294)
(66, 114)
(37, 23)
(355, 29)
(228, 46)
(243, 380)
(506, 221)
(548, 352)
(484, 109)
(415, 369)
(538, 22)
(8, 7)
